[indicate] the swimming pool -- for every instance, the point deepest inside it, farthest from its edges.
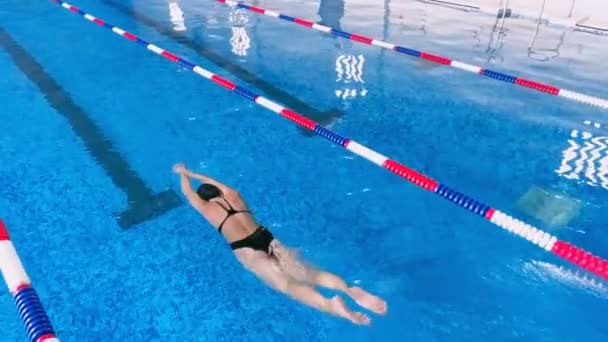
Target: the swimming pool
(94, 122)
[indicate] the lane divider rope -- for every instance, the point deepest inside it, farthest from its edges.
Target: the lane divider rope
(534, 235)
(520, 81)
(33, 316)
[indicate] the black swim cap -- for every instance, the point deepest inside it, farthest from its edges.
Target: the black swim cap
(208, 191)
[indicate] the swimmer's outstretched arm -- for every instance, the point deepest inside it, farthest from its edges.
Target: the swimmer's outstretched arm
(223, 187)
(187, 190)
(182, 169)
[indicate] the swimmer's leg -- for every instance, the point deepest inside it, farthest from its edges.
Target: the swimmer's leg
(267, 269)
(359, 295)
(297, 269)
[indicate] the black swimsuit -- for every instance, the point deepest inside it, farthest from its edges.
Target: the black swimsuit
(259, 240)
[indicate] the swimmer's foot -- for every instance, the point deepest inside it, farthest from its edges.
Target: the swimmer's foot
(338, 307)
(367, 300)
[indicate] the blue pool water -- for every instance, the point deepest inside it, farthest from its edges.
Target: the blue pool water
(91, 121)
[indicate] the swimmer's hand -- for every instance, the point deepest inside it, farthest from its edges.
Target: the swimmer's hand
(180, 169)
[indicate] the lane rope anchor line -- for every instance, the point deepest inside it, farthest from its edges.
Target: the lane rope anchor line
(520, 81)
(548, 242)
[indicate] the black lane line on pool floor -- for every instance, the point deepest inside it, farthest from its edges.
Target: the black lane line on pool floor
(143, 204)
(324, 118)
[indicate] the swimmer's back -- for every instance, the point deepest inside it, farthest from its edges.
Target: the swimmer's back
(236, 226)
